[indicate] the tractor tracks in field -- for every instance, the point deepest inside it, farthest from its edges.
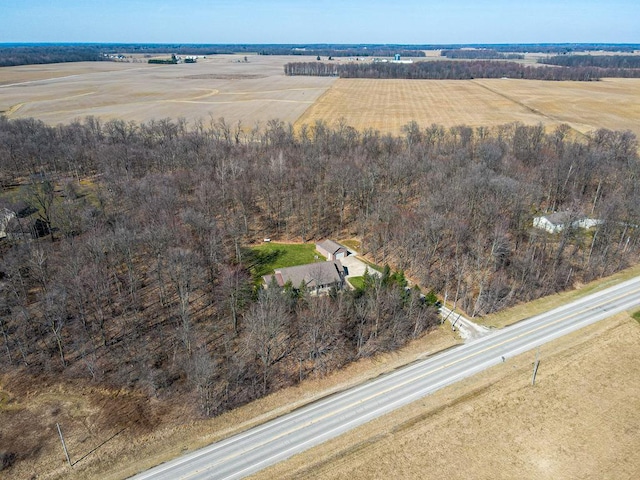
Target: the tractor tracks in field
(12, 109)
(528, 107)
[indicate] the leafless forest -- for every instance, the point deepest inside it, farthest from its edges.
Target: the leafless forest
(127, 263)
(466, 69)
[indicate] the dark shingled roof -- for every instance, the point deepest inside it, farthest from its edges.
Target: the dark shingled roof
(312, 274)
(330, 246)
(558, 218)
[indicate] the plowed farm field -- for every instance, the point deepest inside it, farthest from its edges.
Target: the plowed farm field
(388, 105)
(227, 86)
(256, 90)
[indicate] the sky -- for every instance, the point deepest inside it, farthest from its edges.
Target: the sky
(320, 21)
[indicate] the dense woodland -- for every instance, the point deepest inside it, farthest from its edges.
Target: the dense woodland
(458, 70)
(601, 61)
(30, 55)
(128, 263)
(557, 48)
(480, 54)
(344, 51)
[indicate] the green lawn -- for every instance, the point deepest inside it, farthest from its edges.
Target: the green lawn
(356, 282)
(637, 316)
(85, 192)
(263, 259)
(352, 243)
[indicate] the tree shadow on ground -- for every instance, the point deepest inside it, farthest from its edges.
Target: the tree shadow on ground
(260, 262)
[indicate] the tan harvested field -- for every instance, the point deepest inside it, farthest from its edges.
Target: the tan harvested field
(580, 421)
(387, 105)
(219, 86)
(257, 91)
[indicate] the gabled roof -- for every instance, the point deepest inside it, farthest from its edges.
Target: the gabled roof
(558, 218)
(330, 246)
(312, 275)
(556, 222)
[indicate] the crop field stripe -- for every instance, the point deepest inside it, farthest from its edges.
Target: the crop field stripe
(387, 105)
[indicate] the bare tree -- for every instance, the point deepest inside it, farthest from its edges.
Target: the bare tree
(320, 332)
(267, 331)
(205, 377)
(183, 269)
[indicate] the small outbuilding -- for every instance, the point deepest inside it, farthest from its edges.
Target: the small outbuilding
(332, 250)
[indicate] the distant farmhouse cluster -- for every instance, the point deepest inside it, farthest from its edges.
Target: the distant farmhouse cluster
(174, 60)
(318, 277)
(114, 57)
(396, 59)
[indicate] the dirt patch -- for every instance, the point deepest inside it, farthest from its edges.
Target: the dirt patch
(89, 417)
(579, 421)
(249, 92)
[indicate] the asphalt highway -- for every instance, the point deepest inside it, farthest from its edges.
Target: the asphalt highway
(278, 439)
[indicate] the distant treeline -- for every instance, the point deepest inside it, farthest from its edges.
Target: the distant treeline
(314, 69)
(343, 51)
(24, 54)
(556, 48)
(463, 70)
(163, 61)
(363, 50)
(29, 55)
(480, 54)
(602, 61)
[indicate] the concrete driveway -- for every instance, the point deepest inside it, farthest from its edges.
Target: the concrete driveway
(356, 267)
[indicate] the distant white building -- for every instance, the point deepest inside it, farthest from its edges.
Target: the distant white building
(557, 222)
(5, 217)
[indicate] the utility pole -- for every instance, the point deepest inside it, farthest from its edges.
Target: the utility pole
(444, 304)
(64, 447)
(535, 367)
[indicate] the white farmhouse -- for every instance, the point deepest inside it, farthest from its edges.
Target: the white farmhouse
(5, 217)
(557, 222)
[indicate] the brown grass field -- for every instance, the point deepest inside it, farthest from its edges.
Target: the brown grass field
(220, 86)
(387, 105)
(580, 421)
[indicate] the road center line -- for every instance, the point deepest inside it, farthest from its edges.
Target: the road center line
(416, 378)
